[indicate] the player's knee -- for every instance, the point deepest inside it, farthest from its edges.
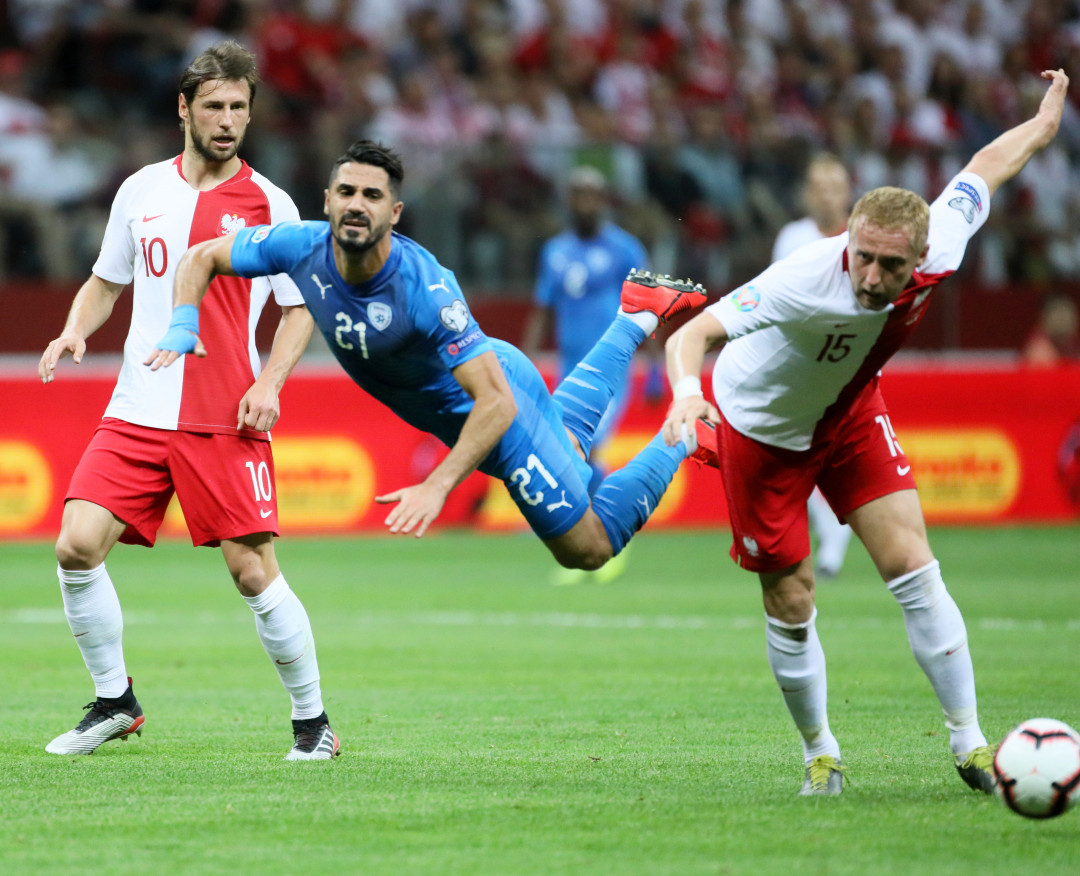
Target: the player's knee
(77, 553)
(588, 557)
(788, 595)
(250, 579)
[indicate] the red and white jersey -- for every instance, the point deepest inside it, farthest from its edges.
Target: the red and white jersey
(802, 347)
(156, 215)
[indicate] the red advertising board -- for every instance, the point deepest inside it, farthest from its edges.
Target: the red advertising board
(988, 444)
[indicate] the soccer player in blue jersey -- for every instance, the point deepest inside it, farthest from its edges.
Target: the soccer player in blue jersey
(579, 281)
(578, 285)
(398, 324)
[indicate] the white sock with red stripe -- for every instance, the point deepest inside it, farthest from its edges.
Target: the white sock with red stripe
(285, 633)
(93, 612)
(938, 639)
(798, 664)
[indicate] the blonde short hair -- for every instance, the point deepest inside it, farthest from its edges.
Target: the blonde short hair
(892, 207)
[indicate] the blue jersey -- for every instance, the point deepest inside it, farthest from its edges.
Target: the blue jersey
(400, 335)
(580, 280)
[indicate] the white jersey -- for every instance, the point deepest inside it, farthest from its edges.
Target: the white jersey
(795, 235)
(156, 216)
(802, 347)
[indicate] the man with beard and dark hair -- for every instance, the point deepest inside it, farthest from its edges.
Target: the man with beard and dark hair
(200, 432)
(397, 322)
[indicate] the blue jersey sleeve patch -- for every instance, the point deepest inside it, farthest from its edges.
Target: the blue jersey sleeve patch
(269, 249)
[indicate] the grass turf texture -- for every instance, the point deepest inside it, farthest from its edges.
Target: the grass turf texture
(491, 723)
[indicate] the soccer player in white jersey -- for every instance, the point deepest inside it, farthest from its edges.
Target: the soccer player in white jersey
(201, 432)
(827, 196)
(797, 386)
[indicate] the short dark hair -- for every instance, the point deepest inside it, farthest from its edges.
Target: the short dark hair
(227, 60)
(376, 155)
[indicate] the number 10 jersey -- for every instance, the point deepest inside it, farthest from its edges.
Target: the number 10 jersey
(156, 216)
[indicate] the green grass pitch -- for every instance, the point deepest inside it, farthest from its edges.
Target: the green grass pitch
(494, 724)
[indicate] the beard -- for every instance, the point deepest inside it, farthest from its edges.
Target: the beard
(206, 151)
(358, 247)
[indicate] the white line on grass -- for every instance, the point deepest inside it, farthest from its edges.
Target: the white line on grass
(539, 619)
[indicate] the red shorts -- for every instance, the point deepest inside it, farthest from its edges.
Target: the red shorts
(225, 483)
(854, 459)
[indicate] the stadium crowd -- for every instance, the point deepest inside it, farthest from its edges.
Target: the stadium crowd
(702, 115)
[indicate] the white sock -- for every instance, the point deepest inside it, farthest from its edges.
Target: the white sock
(644, 319)
(285, 633)
(798, 664)
(92, 609)
(833, 536)
(938, 640)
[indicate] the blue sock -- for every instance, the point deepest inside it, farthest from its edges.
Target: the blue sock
(587, 391)
(628, 497)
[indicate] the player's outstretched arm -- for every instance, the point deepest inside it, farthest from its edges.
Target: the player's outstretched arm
(259, 408)
(685, 354)
(92, 306)
(1004, 157)
(197, 268)
(493, 411)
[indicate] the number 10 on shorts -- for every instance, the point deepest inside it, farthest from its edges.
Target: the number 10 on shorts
(260, 481)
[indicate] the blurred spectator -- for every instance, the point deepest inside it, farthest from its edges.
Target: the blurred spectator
(1056, 336)
(49, 183)
(826, 197)
(897, 88)
(710, 158)
(509, 215)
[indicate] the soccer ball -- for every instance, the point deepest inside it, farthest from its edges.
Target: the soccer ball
(1037, 767)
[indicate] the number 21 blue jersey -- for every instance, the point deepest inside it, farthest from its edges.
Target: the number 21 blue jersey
(398, 336)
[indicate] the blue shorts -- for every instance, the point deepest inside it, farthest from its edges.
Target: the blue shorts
(545, 475)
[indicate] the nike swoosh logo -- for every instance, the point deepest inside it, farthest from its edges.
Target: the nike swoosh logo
(953, 651)
(146, 218)
(265, 514)
(903, 469)
(287, 662)
(77, 635)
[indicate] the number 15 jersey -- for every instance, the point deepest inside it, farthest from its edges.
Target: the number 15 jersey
(156, 215)
(801, 346)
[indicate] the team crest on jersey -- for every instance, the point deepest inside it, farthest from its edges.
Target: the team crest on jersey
(230, 223)
(379, 314)
(746, 299)
(968, 202)
(454, 316)
(751, 546)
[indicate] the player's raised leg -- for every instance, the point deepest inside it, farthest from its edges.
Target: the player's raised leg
(647, 301)
(285, 632)
(92, 609)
